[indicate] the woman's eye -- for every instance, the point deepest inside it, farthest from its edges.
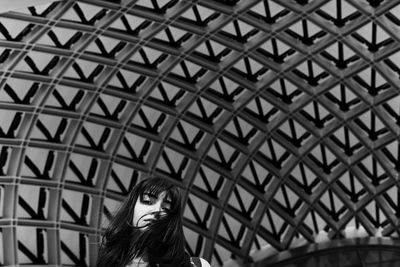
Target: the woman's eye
(166, 207)
(147, 199)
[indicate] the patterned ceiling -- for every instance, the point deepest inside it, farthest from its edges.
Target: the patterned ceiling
(279, 120)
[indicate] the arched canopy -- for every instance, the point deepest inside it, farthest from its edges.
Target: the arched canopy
(278, 119)
(337, 253)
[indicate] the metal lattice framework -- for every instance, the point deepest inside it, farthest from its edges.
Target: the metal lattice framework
(279, 120)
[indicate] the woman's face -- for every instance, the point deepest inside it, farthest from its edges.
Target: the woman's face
(148, 207)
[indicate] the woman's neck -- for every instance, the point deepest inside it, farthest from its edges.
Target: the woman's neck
(137, 262)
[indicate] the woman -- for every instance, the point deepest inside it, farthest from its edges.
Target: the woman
(147, 230)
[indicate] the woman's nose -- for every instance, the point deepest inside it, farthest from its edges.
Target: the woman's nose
(156, 207)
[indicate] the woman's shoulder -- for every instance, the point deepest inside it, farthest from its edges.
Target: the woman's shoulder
(199, 262)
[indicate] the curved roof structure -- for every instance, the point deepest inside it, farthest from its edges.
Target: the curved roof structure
(369, 252)
(278, 119)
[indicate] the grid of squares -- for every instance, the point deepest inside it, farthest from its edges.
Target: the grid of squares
(278, 119)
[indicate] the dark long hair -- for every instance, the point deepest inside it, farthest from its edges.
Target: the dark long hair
(162, 242)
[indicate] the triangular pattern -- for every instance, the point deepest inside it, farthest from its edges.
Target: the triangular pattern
(279, 120)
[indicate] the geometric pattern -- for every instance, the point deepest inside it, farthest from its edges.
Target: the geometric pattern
(361, 252)
(279, 120)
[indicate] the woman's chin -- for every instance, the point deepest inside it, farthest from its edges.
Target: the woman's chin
(143, 228)
(142, 225)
